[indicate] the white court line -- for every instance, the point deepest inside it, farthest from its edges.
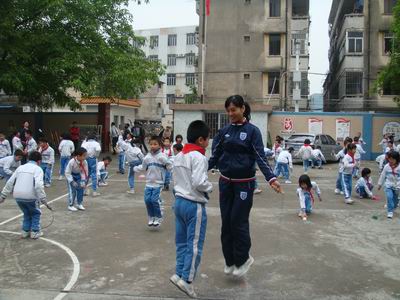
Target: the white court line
(75, 261)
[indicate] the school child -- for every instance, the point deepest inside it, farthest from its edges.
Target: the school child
(383, 142)
(236, 149)
(30, 143)
(381, 160)
(389, 147)
(47, 160)
(77, 175)
(339, 156)
(357, 157)
(191, 191)
(121, 152)
(93, 150)
(102, 173)
(155, 163)
(133, 156)
(9, 164)
(284, 163)
(66, 148)
(167, 150)
(305, 195)
(177, 148)
(5, 148)
(178, 140)
(277, 148)
(364, 185)
(390, 177)
(317, 158)
(16, 141)
(304, 153)
(347, 172)
(26, 184)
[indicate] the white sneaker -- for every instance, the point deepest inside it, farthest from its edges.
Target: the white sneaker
(36, 234)
(72, 208)
(257, 191)
(174, 279)
(103, 183)
(337, 191)
(61, 178)
(349, 201)
(95, 194)
(150, 222)
(288, 181)
(157, 222)
(80, 207)
(390, 215)
(187, 288)
(243, 269)
(341, 193)
(25, 234)
(131, 191)
(47, 185)
(229, 270)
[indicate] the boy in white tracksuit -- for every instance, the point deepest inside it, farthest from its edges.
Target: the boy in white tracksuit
(347, 172)
(30, 143)
(66, 148)
(357, 157)
(47, 162)
(191, 192)
(27, 187)
(93, 149)
(284, 163)
(9, 164)
(134, 157)
(102, 173)
(304, 153)
(5, 148)
(155, 163)
(317, 157)
(16, 142)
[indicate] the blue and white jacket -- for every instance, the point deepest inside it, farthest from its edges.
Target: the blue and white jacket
(155, 165)
(390, 177)
(5, 148)
(235, 150)
(366, 184)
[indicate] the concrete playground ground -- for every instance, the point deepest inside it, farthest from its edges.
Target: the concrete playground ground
(108, 252)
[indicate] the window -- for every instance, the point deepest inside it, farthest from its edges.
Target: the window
(388, 42)
(354, 42)
(172, 40)
(171, 98)
(216, 121)
(300, 8)
(171, 60)
(190, 59)
(324, 140)
(246, 38)
(190, 79)
(190, 39)
(246, 76)
(153, 57)
(354, 83)
(331, 141)
(274, 8)
(171, 79)
(275, 44)
(300, 38)
(389, 5)
(273, 82)
(154, 41)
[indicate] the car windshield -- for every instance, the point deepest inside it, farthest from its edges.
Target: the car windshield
(299, 138)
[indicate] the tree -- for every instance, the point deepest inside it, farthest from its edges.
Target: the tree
(389, 78)
(50, 46)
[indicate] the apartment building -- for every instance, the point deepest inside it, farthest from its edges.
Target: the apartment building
(176, 48)
(248, 47)
(360, 46)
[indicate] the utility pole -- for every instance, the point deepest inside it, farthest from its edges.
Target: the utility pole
(297, 78)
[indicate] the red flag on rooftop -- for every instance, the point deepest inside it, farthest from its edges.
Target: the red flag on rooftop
(208, 7)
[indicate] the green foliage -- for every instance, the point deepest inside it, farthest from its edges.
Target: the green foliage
(389, 78)
(193, 97)
(50, 46)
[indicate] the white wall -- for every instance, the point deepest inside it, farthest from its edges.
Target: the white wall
(182, 119)
(260, 119)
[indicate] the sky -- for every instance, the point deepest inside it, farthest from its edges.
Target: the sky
(171, 13)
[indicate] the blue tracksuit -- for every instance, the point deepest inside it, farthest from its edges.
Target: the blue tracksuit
(235, 150)
(64, 160)
(75, 193)
(92, 166)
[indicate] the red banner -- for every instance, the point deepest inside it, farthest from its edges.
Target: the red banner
(208, 7)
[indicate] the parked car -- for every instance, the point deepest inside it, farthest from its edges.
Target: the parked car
(327, 143)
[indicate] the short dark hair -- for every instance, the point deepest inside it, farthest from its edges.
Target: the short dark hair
(65, 136)
(92, 136)
(196, 130)
(80, 151)
(112, 123)
(347, 140)
(365, 172)
(167, 138)
(356, 139)
(35, 156)
(319, 147)
(43, 140)
(307, 142)
(351, 146)
(178, 147)
(290, 149)
(178, 136)
(107, 158)
(18, 152)
(394, 154)
(305, 179)
(28, 131)
(155, 138)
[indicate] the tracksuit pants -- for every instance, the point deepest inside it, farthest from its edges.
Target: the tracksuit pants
(306, 164)
(92, 166)
(75, 194)
(356, 169)
(167, 179)
(121, 162)
(190, 233)
(316, 162)
(48, 172)
(361, 191)
(308, 203)
(131, 173)
(347, 185)
(103, 176)
(339, 182)
(153, 201)
(236, 200)
(32, 213)
(392, 199)
(282, 168)
(64, 160)
(4, 174)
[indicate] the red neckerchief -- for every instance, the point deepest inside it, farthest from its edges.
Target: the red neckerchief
(193, 147)
(169, 151)
(307, 145)
(44, 149)
(369, 185)
(309, 190)
(82, 167)
(393, 168)
(351, 155)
